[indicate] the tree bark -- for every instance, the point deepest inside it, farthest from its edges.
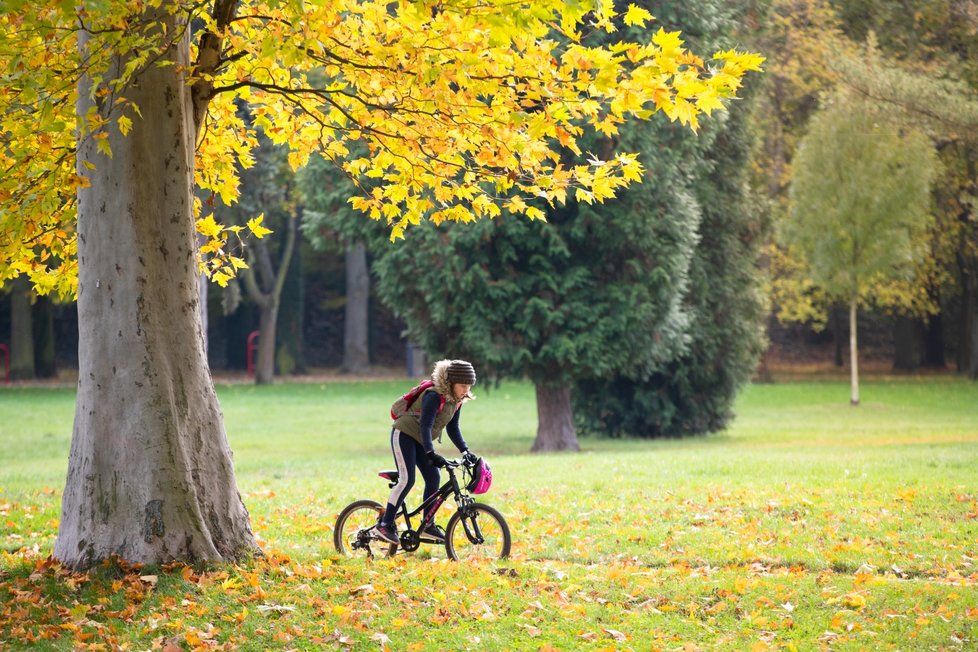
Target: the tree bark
(150, 476)
(555, 420)
(202, 282)
(356, 355)
(265, 362)
(290, 357)
(853, 350)
(21, 331)
(45, 365)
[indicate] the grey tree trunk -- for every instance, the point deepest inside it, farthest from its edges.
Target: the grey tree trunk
(21, 331)
(968, 316)
(973, 326)
(150, 476)
(268, 298)
(853, 350)
(933, 353)
(290, 357)
(555, 420)
(265, 362)
(202, 282)
(356, 355)
(45, 365)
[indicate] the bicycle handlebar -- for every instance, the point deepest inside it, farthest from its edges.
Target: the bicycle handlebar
(454, 464)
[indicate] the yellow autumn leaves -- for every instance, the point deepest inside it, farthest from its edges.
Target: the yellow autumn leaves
(441, 111)
(459, 112)
(216, 259)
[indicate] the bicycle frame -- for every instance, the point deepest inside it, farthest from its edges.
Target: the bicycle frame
(435, 501)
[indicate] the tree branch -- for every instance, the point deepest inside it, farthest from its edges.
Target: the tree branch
(209, 57)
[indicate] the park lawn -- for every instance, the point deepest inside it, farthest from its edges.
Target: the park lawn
(807, 524)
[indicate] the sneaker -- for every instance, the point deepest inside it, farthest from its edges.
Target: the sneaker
(434, 532)
(386, 533)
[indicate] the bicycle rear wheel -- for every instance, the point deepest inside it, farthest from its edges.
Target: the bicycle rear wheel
(477, 532)
(353, 533)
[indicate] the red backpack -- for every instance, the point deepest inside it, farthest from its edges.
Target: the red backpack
(403, 404)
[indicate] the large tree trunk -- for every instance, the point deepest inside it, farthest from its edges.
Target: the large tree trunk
(150, 476)
(265, 364)
(555, 420)
(853, 350)
(44, 354)
(356, 355)
(21, 331)
(202, 282)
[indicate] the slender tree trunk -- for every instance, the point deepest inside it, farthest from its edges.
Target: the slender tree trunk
(967, 318)
(290, 357)
(555, 420)
(356, 355)
(268, 300)
(21, 331)
(933, 353)
(973, 325)
(853, 350)
(44, 354)
(837, 331)
(265, 364)
(150, 476)
(906, 336)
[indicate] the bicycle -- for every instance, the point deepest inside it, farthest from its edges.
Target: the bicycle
(474, 531)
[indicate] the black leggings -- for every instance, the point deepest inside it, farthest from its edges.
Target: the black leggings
(408, 454)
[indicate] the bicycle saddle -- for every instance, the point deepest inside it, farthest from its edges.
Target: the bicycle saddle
(389, 475)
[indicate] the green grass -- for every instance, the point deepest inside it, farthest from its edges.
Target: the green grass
(807, 524)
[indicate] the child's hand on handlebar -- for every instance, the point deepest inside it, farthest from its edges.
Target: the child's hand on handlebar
(437, 459)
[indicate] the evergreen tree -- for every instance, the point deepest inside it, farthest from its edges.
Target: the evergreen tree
(693, 391)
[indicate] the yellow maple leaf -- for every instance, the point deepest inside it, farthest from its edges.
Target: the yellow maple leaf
(256, 228)
(208, 227)
(637, 16)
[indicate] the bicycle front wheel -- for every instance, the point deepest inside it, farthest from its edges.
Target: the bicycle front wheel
(353, 533)
(477, 532)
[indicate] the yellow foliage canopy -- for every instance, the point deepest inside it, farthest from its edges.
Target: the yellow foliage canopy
(456, 110)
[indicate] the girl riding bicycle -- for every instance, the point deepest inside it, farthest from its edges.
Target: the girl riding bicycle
(436, 410)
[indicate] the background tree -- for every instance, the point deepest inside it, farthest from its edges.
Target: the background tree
(693, 390)
(149, 474)
(923, 73)
(331, 224)
(268, 188)
(946, 106)
(552, 301)
(861, 202)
